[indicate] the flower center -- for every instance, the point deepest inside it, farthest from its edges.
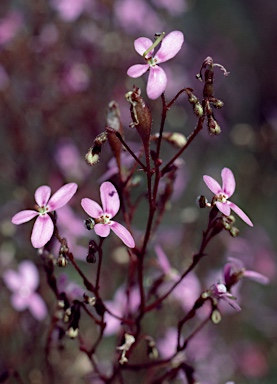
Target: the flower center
(104, 219)
(221, 197)
(42, 210)
(24, 291)
(151, 61)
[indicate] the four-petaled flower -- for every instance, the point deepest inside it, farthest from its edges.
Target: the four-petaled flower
(43, 228)
(157, 80)
(102, 216)
(223, 193)
(23, 284)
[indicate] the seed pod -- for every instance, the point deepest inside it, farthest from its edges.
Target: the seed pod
(140, 113)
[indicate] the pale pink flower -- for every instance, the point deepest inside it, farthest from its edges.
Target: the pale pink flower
(234, 270)
(223, 193)
(102, 216)
(219, 291)
(120, 306)
(157, 80)
(187, 291)
(10, 26)
(43, 228)
(69, 10)
(23, 284)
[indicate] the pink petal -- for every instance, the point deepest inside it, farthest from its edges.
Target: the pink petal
(42, 231)
(163, 260)
(123, 234)
(232, 303)
(62, 196)
(92, 208)
(37, 306)
(156, 82)
(228, 182)
(212, 184)
(170, 46)
(24, 216)
(102, 230)
(224, 208)
(142, 44)
(137, 70)
(42, 195)
(19, 302)
(109, 198)
(256, 276)
(12, 279)
(241, 214)
(29, 274)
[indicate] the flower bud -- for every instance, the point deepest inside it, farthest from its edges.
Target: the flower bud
(214, 128)
(198, 109)
(202, 201)
(234, 231)
(216, 316)
(91, 300)
(61, 261)
(177, 139)
(89, 223)
(216, 102)
(72, 333)
(92, 250)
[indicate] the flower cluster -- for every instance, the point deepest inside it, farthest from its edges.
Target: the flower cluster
(44, 227)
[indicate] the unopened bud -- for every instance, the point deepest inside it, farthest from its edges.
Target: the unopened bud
(214, 128)
(177, 139)
(234, 231)
(67, 315)
(91, 300)
(216, 316)
(72, 333)
(152, 351)
(216, 102)
(202, 201)
(89, 223)
(198, 109)
(92, 250)
(228, 221)
(91, 158)
(61, 261)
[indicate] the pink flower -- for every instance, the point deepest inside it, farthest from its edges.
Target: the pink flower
(23, 285)
(234, 270)
(157, 80)
(43, 228)
(223, 193)
(219, 291)
(121, 306)
(102, 217)
(187, 292)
